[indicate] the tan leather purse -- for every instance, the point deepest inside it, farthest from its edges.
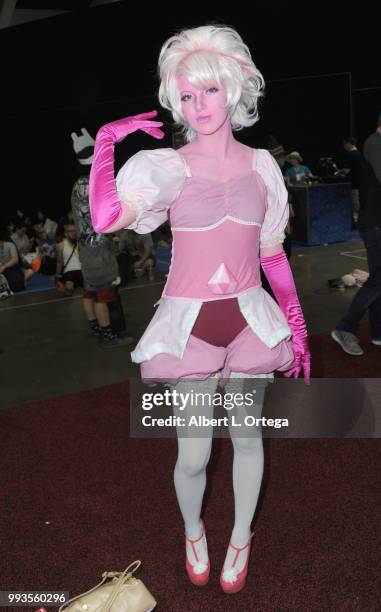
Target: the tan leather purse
(123, 593)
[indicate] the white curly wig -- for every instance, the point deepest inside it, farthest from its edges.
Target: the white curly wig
(212, 54)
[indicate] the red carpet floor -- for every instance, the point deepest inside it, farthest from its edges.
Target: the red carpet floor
(80, 497)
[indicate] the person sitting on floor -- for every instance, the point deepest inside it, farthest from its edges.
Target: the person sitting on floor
(49, 225)
(21, 240)
(141, 251)
(24, 246)
(10, 266)
(65, 220)
(46, 249)
(19, 216)
(69, 269)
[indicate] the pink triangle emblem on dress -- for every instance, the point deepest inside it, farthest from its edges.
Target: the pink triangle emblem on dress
(222, 281)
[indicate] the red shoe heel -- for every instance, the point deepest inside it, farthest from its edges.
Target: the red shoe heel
(201, 578)
(240, 577)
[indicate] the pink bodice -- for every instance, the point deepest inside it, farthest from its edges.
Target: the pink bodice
(216, 232)
(217, 229)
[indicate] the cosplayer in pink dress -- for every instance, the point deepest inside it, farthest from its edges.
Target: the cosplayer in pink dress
(228, 209)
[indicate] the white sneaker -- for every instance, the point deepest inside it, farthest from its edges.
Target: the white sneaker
(376, 342)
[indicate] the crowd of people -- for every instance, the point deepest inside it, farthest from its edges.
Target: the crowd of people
(62, 251)
(38, 244)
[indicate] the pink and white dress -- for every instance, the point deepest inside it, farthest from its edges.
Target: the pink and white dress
(217, 232)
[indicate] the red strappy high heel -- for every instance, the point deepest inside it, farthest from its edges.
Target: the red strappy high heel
(240, 577)
(203, 577)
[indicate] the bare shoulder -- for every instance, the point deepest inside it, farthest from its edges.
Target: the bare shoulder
(187, 147)
(249, 152)
(247, 149)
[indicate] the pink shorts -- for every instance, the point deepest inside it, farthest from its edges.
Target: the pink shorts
(246, 354)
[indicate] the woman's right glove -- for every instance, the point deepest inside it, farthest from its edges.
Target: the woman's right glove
(108, 213)
(278, 272)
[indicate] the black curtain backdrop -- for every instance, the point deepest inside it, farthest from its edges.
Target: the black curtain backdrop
(90, 67)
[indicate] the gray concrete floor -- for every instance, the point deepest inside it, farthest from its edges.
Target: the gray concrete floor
(48, 351)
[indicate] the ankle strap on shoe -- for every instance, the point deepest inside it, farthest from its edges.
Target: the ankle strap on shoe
(198, 539)
(239, 549)
(243, 547)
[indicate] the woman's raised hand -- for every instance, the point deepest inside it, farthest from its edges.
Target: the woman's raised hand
(118, 130)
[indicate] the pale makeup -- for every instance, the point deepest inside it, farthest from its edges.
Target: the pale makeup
(204, 108)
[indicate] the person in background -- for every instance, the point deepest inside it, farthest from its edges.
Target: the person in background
(97, 257)
(368, 297)
(46, 249)
(10, 264)
(141, 251)
(297, 174)
(372, 150)
(24, 247)
(18, 217)
(50, 226)
(69, 269)
(65, 220)
(162, 237)
(20, 238)
(353, 169)
(278, 153)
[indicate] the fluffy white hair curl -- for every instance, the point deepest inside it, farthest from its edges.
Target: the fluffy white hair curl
(211, 55)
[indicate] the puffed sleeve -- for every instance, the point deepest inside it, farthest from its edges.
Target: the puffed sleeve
(150, 182)
(277, 207)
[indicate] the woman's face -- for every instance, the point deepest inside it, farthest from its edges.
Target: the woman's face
(70, 232)
(204, 108)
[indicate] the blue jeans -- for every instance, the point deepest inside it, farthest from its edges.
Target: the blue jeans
(368, 296)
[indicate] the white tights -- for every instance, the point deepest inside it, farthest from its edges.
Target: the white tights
(192, 460)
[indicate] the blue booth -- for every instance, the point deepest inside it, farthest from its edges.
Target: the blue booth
(323, 213)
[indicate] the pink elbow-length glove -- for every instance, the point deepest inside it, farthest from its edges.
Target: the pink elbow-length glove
(108, 213)
(279, 275)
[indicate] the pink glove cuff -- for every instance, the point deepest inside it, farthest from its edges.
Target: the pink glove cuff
(279, 274)
(108, 214)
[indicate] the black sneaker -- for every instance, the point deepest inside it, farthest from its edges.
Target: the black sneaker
(114, 341)
(95, 330)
